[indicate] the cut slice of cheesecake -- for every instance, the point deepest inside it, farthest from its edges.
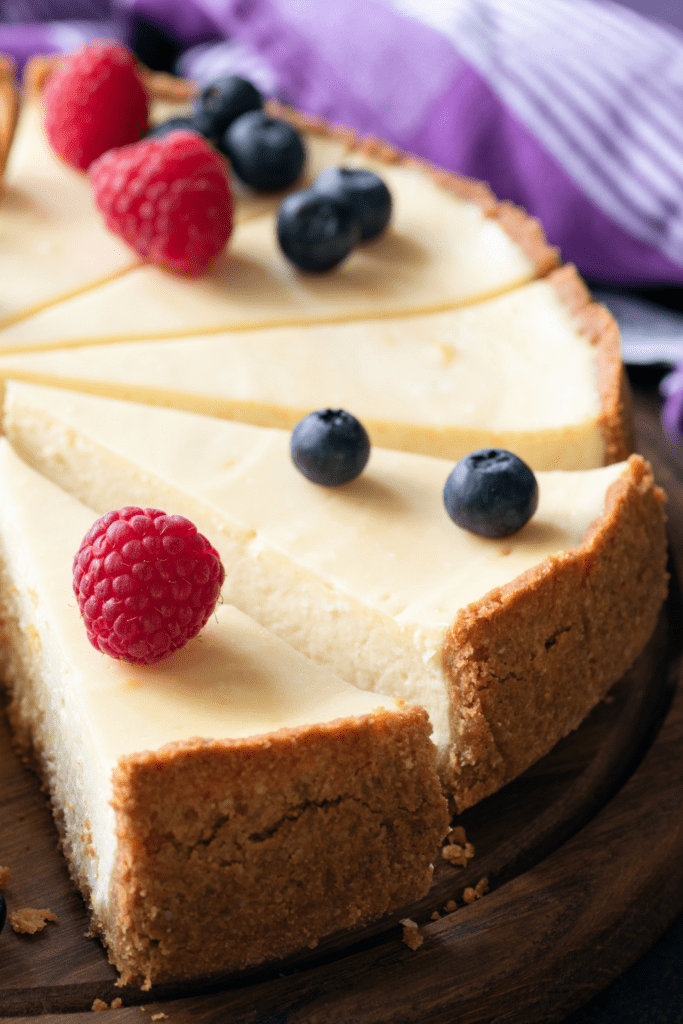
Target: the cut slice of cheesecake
(54, 240)
(449, 243)
(228, 805)
(536, 370)
(508, 644)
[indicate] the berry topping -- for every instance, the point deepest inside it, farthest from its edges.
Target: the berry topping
(491, 492)
(93, 102)
(145, 582)
(221, 102)
(267, 154)
(174, 124)
(169, 198)
(316, 233)
(330, 447)
(364, 190)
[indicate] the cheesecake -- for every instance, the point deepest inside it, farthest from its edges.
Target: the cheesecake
(507, 644)
(536, 371)
(450, 243)
(55, 242)
(228, 805)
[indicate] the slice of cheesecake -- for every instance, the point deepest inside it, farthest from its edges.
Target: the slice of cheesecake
(508, 644)
(55, 242)
(450, 243)
(230, 804)
(536, 370)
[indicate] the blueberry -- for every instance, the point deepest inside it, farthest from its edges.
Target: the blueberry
(330, 447)
(364, 190)
(174, 124)
(315, 232)
(266, 153)
(221, 101)
(491, 492)
(3, 911)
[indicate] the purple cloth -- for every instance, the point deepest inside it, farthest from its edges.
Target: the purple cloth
(571, 108)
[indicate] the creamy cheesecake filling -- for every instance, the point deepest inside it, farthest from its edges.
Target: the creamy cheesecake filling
(235, 681)
(364, 578)
(514, 372)
(54, 240)
(439, 251)
(54, 243)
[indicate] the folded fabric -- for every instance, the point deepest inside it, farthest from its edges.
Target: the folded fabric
(571, 108)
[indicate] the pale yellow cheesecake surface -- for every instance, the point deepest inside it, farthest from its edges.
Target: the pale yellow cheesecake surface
(515, 372)
(442, 249)
(235, 684)
(366, 578)
(52, 240)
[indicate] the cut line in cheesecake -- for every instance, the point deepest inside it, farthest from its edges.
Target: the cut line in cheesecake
(536, 371)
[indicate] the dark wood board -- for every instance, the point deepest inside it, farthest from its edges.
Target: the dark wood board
(584, 854)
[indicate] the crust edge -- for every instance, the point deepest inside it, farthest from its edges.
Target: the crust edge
(9, 109)
(597, 323)
(574, 615)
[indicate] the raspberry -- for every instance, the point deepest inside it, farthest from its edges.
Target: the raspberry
(169, 198)
(145, 582)
(93, 102)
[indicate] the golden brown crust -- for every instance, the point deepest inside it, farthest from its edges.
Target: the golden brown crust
(37, 70)
(9, 109)
(528, 661)
(596, 321)
(221, 842)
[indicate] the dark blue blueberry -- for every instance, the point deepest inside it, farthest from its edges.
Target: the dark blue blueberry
(315, 232)
(3, 911)
(364, 190)
(330, 447)
(266, 153)
(221, 102)
(491, 492)
(174, 124)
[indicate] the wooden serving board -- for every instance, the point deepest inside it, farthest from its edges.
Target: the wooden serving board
(584, 856)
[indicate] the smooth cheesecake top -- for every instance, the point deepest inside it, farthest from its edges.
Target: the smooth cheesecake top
(384, 538)
(440, 250)
(233, 681)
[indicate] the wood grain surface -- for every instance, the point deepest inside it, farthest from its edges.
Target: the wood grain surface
(584, 855)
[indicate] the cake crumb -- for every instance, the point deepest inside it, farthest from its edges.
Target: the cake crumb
(159, 1016)
(29, 921)
(451, 906)
(99, 1005)
(457, 851)
(480, 889)
(456, 854)
(117, 1003)
(4, 878)
(411, 933)
(436, 916)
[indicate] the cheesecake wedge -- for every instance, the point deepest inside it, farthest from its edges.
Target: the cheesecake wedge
(536, 370)
(507, 644)
(228, 805)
